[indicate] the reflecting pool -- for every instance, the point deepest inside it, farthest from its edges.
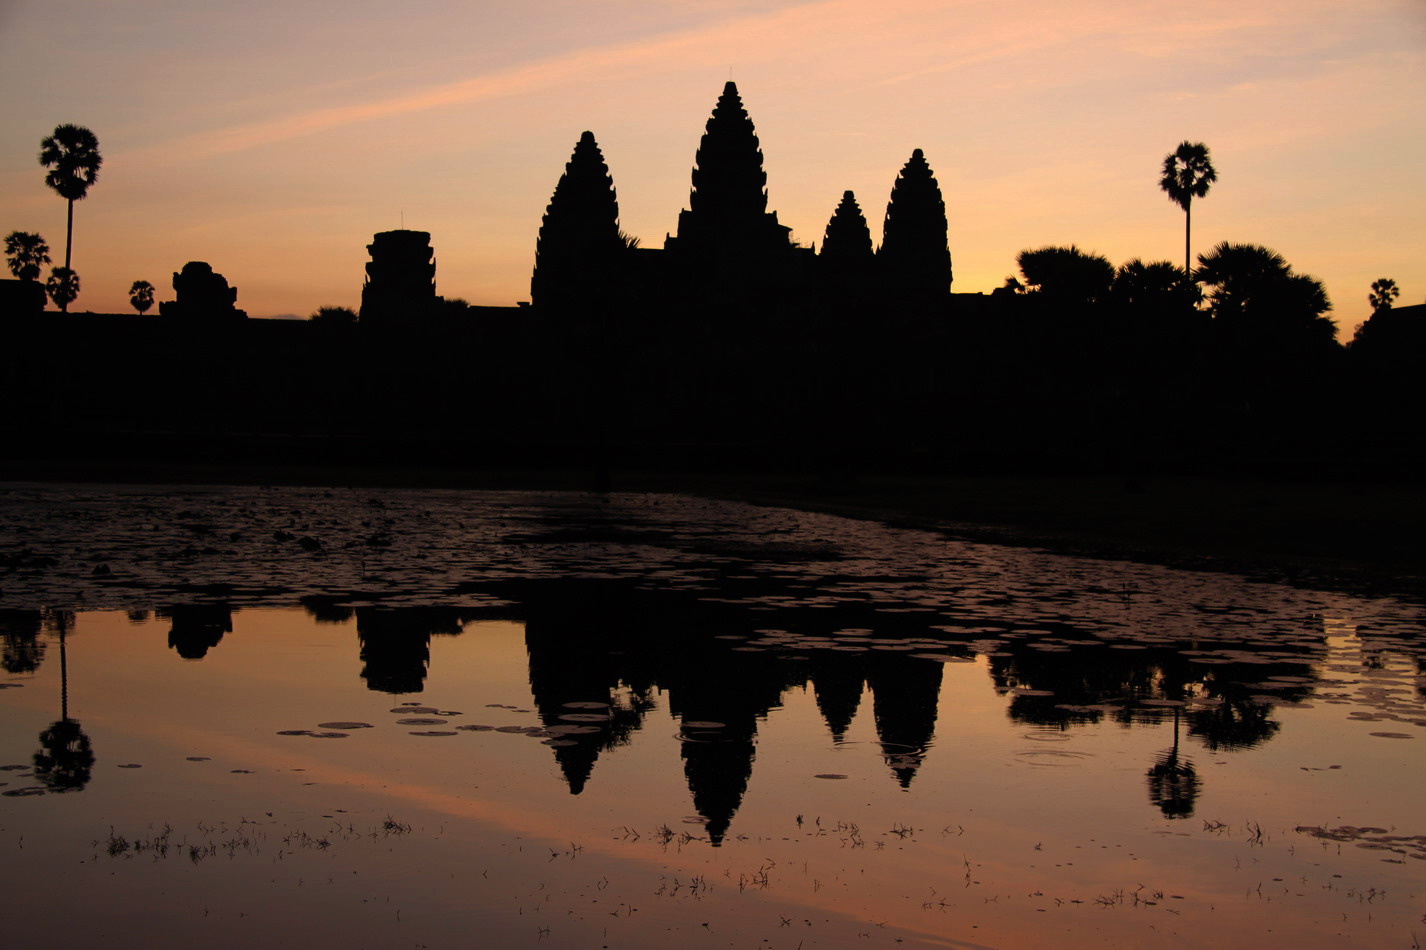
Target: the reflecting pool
(240, 716)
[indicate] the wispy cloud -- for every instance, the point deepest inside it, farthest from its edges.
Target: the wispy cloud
(688, 45)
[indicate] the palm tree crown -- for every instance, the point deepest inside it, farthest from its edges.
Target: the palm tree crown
(27, 253)
(141, 295)
(72, 156)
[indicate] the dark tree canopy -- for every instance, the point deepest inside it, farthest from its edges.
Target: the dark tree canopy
(847, 235)
(1066, 274)
(27, 254)
(1253, 283)
(334, 316)
(1156, 285)
(579, 240)
(915, 253)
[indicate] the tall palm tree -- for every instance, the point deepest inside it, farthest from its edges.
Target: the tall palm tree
(72, 156)
(141, 295)
(27, 253)
(1187, 175)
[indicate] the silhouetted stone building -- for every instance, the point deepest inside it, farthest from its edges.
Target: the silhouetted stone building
(202, 294)
(401, 278)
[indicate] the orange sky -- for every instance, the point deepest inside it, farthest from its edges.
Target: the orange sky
(273, 139)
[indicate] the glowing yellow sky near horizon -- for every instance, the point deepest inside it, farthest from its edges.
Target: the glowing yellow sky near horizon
(272, 142)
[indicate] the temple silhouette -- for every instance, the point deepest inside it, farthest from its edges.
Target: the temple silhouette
(730, 346)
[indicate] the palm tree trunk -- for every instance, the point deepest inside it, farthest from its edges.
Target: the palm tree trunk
(63, 679)
(1187, 219)
(69, 234)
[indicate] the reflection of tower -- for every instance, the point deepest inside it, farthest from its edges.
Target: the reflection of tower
(197, 628)
(569, 641)
(396, 644)
(838, 686)
(904, 696)
(735, 689)
(65, 759)
(1173, 781)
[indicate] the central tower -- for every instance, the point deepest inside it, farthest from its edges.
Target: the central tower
(727, 218)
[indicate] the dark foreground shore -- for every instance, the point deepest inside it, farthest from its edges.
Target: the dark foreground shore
(1364, 531)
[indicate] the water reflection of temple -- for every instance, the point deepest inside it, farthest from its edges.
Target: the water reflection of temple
(591, 643)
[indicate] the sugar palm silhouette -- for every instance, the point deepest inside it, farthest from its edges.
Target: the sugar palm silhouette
(141, 295)
(1187, 175)
(72, 156)
(27, 253)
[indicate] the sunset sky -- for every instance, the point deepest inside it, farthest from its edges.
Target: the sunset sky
(272, 139)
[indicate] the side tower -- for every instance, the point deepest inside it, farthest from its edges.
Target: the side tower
(915, 257)
(579, 253)
(401, 278)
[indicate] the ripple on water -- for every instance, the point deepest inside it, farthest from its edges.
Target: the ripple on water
(1056, 757)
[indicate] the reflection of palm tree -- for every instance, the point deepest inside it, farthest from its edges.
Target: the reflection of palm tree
(1173, 782)
(65, 759)
(1187, 175)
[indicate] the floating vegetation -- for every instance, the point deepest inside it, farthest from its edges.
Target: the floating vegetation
(583, 717)
(131, 765)
(26, 791)
(421, 721)
(330, 735)
(295, 732)
(475, 728)
(417, 710)
(583, 704)
(703, 724)
(432, 733)
(829, 775)
(344, 725)
(199, 758)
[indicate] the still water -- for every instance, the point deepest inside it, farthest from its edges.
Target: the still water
(232, 717)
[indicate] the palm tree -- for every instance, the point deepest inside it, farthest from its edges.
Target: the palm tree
(1384, 292)
(27, 253)
(63, 287)
(1187, 175)
(141, 295)
(72, 156)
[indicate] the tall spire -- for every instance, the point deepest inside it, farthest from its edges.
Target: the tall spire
(728, 177)
(914, 253)
(728, 203)
(579, 236)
